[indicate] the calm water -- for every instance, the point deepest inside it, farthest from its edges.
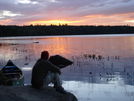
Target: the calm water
(103, 66)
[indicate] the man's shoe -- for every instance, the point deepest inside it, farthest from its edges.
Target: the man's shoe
(61, 90)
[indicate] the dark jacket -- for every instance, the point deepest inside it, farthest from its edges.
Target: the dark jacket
(40, 71)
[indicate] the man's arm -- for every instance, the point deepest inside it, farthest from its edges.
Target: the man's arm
(51, 67)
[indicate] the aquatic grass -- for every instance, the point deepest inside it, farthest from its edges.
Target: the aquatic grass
(102, 67)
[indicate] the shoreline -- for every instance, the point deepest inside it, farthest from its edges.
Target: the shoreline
(63, 30)
(45, 36)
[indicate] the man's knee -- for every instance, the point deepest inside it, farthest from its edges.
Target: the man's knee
(56, 74)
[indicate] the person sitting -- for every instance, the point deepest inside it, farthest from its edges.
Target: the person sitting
(44, 73)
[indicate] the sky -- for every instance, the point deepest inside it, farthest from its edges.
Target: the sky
(71, 12)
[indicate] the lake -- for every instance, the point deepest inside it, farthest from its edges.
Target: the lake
(102, 69)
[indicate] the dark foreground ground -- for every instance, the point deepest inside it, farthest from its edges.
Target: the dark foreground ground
(27, 93)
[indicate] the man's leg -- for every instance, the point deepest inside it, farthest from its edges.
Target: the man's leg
(55, 79)
(52, 78)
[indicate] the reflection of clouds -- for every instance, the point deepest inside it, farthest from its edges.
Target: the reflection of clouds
(23, 50)
(88, 78)
(26, 68)
(99, 92)
(73, 46)
(105, 71)
(129, 94)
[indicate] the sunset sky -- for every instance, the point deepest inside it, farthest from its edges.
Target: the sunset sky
(71, 12)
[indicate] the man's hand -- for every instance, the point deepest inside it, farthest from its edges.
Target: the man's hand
(60, 73)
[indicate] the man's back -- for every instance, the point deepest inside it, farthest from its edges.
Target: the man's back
(40, 71)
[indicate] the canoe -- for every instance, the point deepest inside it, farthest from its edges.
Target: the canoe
(13, 73)
(60, 61)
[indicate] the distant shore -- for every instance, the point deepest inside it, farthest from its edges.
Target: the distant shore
(53, 30)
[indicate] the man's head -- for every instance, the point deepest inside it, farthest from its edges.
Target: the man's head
(45, 55)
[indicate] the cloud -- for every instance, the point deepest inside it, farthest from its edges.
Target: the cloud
(28, 11)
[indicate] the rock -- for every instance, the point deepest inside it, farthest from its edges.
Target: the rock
(28, 93)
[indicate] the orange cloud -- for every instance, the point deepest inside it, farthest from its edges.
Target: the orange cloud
(3, 22)
(116, 19)
(55, 22)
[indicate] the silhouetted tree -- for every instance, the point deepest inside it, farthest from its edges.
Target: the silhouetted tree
(64, 29)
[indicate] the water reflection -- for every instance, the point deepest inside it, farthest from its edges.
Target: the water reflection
(99, 92)
(102, 70)
(103, 65)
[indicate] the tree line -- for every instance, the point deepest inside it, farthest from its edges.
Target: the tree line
(45, 30)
